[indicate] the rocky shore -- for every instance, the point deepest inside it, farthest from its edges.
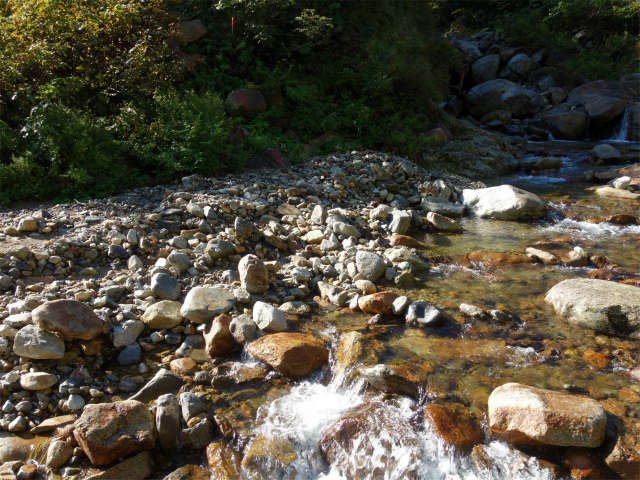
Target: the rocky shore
(124, 319)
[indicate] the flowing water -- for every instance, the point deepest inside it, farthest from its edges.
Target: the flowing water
(469, 358)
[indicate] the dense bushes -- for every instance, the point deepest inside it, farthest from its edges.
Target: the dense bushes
(612, 51)
(95, 96)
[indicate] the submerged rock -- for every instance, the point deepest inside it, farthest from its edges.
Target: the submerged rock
(523, 415)
(600, 305)
(454, 424)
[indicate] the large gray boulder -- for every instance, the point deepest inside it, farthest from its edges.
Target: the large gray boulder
(522, 65)
(523, 415)
(607, 307)
(370, 264)
(563, 124)
(486, 68)
(504, 203)
(203, 303)
(501, 94)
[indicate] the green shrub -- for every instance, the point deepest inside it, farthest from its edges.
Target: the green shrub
(61, 151)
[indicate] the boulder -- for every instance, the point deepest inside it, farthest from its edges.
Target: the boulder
(254, 275)
(268, 318)
(37, 380)
(504, 203)
(167, 421)
(163, 382)
(165, 287)
(400, 254)
(623, 453)
(163, 314)
(441, 207)
(603, 110)
(269, 159)
(269, 457)
(606, 152)
(523, 415)
(564, 125)
(33, 342)
(354, 350)
(218, 338)
(245, 102)
(443, 223)
(377, 303)
(224, 461)
(332, 293)
(501, 94)
(293, 355)
(485, 68)
(454, 424)
(108, 431)
(423, 314)
(632, 171)
(138, 467)
(600, 305)
(409, 379)
(400, 222)
(522, 65)
(203, 303)
(371, 265)
(70, 318)
(474, 152)
(601, 89)
(218, 248)
(375, 434)
(187, 32)
(617, 193)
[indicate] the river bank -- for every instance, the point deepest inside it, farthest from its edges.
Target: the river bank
(186, 279)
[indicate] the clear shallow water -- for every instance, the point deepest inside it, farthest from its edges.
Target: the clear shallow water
(471, 358)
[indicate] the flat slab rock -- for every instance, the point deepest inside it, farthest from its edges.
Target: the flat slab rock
(523, 415)
(608, 307)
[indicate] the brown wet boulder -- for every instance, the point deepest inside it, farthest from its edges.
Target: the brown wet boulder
(268, 457)
(523, 415)
(108, 431)
(454, 424)
(377, 303)
(353, 351)
(224, 461)
(409, 379)
(403, 241)
(218, 338)
(623, 453)
(254, 276)
(294, 355)
(70, 318)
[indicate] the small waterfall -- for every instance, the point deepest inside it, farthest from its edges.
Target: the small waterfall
(620, 135)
